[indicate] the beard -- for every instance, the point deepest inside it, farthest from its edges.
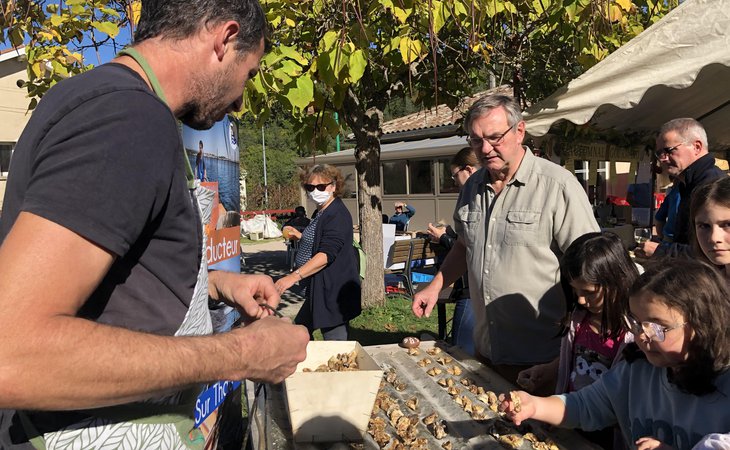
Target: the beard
(206, 106)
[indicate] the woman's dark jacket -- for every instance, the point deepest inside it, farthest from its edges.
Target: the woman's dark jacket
(334, 292)
(461, 286)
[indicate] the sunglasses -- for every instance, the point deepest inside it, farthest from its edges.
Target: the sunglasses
(319, 187)
(653, 331)
(659, 153)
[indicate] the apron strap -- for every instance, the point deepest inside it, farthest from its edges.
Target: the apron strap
(157, 87)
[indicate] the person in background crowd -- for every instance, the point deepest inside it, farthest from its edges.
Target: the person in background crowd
(666, 216)
(104, 287)
(402, 216)
(326, 260)
(516, 215)
(675, 391)
(682, 151)
(299, 221)
(463, 165)
(596, 273)
(710, 213)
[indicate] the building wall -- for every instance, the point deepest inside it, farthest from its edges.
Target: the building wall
(14, 113)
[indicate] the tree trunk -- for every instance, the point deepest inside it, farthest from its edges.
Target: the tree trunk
(371, 230)
(365, 125)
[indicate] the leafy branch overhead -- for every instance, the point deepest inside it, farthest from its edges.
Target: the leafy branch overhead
(56, 33)
(349, 57)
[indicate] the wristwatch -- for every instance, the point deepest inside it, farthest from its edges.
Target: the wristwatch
(299, 273)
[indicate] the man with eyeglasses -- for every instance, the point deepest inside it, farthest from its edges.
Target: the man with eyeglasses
(514, 218)
(682, 151)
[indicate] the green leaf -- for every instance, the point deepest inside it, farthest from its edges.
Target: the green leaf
(301, 95)
(327, 41)
(110, 12)
(440, 14)
(109, 28)
(291, 53)
(291, 68)
(402, 14)
(16, 37)
(410, 49)
(357, 66)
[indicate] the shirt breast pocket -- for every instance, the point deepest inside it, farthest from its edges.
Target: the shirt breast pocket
(522, 228)
(470, 221)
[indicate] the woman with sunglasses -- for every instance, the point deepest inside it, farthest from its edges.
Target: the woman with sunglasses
(673, 390)
(325, 262)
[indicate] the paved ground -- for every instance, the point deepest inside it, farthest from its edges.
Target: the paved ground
(269, 258)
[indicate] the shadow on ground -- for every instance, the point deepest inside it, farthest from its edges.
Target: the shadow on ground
(274, 264)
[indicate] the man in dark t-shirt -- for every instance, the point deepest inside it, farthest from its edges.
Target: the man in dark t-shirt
(101, 257)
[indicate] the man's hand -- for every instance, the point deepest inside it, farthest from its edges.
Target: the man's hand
(650, 443)
(270, 349)
(246, 292)
(435, 232)
(646, 250)
(425, 300)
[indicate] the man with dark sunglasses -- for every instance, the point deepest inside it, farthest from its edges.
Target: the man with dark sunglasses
(682, 151)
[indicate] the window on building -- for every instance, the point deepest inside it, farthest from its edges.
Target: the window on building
(421, 177)
(446, 183)
(6, 150)
(394, 178)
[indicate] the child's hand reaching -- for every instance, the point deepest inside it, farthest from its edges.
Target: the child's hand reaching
(518, 406)
(650, 443)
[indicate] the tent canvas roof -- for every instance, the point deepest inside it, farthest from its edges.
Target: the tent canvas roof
(678, 67)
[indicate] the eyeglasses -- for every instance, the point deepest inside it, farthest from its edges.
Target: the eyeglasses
(455, 174)
(477, 142)
(320, 187)
(653, 331)
(659, 153)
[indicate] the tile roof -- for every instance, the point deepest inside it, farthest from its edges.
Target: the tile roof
(438, 116)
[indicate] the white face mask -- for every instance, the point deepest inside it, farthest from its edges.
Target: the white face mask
(320, 197)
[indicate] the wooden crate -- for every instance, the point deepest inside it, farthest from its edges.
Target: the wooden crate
(332, 406)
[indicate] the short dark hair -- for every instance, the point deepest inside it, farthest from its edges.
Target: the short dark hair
(179, 19)
(600, 259)
(700, 293)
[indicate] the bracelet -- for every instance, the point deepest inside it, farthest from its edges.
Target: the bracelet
(299, 273)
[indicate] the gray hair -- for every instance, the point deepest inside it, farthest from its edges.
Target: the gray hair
(687, 128)
(489, 102)
(179, 19)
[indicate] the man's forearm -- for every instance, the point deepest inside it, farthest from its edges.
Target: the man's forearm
(77, 363)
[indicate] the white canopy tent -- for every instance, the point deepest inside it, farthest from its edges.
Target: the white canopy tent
(678, 67)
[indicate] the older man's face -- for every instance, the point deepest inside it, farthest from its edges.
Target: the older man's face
(506, 148)
(683, 152)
